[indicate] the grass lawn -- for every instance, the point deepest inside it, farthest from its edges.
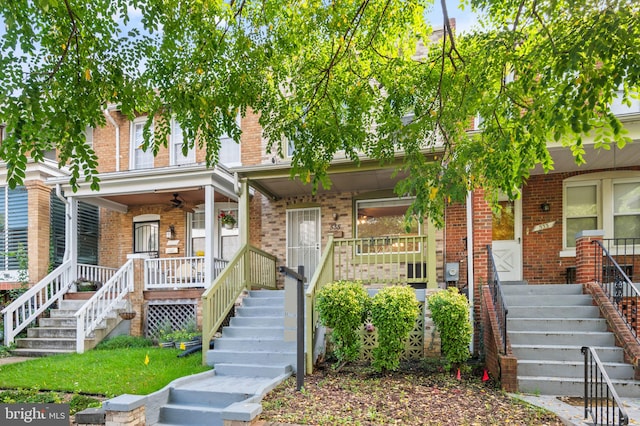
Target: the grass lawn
(102, 372)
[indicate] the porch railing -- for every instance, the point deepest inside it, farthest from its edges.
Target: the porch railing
(26, 308)
(617, 286)
(381, 260)
(601, 401)
(179, 272)
(106, 300)
(250, 267)
(324, 274)
(500, 306)
(95, 273)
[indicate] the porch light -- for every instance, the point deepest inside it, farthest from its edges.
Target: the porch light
(545, 207)
(171, 232)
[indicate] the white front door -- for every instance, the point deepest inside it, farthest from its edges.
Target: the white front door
(303, 240)
(507, 240)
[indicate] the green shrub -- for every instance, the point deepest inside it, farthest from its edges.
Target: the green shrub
(343, 306)
(393, 312)
(81, 402)
(124, 341)
(450, 314)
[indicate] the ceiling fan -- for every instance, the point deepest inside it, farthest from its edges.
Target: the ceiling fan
(177, 202)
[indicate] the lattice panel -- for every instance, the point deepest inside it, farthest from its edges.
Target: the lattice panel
(414, 346)
(178, 312)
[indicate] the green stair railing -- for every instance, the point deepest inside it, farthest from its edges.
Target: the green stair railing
(250, 267)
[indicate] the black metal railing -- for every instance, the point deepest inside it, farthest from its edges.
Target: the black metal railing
(499, 303)
(626, 251)
(601, 401)
(618, 287)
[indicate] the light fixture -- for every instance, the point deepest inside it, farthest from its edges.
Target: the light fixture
(545, 207)
(171, 232)
(335, 216)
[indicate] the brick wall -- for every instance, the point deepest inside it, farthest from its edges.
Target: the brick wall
(456, 233)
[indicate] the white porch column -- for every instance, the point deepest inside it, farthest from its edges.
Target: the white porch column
(432, 274)
(72, 235)
(243, 213)
(209, 234)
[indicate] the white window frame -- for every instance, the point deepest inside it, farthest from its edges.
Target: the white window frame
(605, 202)
(227, 141)
(176, 143)
(140, 121)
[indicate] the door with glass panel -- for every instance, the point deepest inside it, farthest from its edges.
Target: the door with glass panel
(303, 240)
(507, 239)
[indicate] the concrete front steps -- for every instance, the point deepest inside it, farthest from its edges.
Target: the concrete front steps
(57, 333)
(547, 327)
(249, 359)
(254, 340)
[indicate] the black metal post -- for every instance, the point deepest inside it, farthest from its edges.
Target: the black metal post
(300, 278)
(300, 346)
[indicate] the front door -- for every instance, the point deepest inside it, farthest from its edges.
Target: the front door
(303, 240)
(507, 240)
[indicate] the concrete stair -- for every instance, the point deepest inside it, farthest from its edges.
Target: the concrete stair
(254, 339)
(249, 359)
(57, 333)
(547, 327)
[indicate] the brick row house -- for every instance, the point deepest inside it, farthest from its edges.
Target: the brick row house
(163, 215)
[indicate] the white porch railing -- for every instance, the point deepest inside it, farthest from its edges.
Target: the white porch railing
(95, 273)
(26, 308)
(179, 272)
(106, 300)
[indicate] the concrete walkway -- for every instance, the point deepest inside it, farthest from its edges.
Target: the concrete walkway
(571, 415)
(574, 415)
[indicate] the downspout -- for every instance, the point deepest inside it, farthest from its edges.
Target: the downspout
(67, 214)
(115, 125)
(470, 264)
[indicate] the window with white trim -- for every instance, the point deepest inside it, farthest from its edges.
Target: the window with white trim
(140, 158)
(229, 154)
(609, 201)
(177, 143)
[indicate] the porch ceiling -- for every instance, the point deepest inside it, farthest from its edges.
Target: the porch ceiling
(276, 182)
(120, 190)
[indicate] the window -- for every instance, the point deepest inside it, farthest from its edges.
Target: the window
(626, 210)
(609, 201)
(230, 150)
(197, 233)
(177, 142)
(14, 227)
(384, 218)
(140, 159)
(581, 210)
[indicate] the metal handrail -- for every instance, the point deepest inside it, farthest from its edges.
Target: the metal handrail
(497, 295)
(601, 400)
(102, 303)
(617, 286)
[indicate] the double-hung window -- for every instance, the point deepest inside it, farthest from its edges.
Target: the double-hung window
(140, 158)
(609, 201)
(229, 154)
(177, 144)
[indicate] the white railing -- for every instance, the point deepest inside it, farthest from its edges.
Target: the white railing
(94, 273)
(107, 299)
(179, 272)
(26, 308)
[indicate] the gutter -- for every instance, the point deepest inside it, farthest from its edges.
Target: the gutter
(470, 265)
